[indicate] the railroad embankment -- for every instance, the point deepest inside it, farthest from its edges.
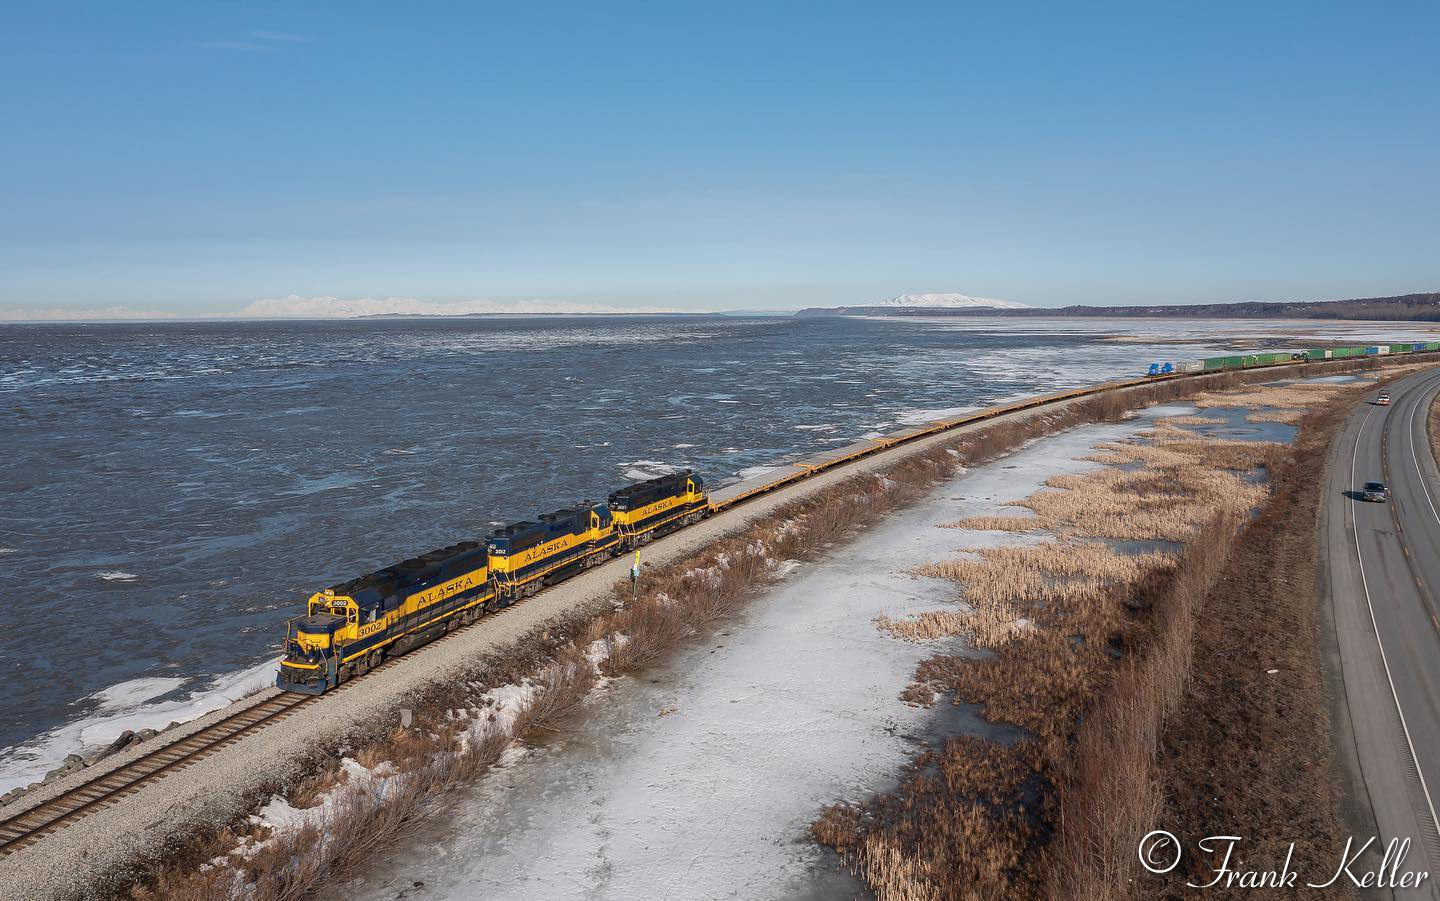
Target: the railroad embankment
(1159, 649)
(164, 835)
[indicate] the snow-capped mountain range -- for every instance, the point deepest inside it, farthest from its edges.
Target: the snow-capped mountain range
(949, 300)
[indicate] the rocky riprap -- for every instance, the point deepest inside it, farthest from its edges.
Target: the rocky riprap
(73, 763)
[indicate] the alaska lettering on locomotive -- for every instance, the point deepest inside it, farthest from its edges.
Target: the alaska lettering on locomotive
(649, 509)
(526, 556)
(351, 628)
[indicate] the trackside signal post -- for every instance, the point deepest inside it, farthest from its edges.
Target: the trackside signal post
(635, 577)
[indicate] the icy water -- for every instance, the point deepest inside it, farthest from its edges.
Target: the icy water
(699, 779)
(173, 491)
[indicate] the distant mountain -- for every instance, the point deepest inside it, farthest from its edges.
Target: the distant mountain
(948, 302)
(327, 307)
(1405, 307)
(766, 313)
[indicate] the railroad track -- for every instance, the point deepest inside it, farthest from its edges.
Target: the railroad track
(30, 826)
(24, 829)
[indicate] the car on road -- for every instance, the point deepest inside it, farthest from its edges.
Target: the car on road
(1383, 400)
(1375, 491)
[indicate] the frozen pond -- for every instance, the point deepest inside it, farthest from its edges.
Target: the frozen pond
(700, 778)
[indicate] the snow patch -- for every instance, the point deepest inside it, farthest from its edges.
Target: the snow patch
(129, 706)
(640, 470)
(601, 648)
(135, 692)
(949, 301)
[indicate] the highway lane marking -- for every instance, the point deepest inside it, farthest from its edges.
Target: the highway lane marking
(1374, 623)
(1410, 424)
(1419, 474)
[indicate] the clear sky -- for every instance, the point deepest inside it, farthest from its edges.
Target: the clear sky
(197, 157)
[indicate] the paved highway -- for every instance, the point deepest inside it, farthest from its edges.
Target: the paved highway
(1384, 568)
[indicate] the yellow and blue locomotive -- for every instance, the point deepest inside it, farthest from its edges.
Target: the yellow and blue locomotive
(646, 510)
(526, 556)
(351, 628)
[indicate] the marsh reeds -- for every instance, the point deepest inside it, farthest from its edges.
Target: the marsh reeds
(1090, 653)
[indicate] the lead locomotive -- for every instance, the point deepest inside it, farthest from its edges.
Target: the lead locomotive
(353, 627)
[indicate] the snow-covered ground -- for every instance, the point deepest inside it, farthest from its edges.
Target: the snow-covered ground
(954, 301)
(1218, 334)
(699, 778)
(145, 703)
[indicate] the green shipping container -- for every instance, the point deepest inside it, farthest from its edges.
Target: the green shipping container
(1213, 363)
(1433, 345)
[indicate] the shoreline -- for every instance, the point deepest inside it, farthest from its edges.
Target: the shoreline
(209, 794)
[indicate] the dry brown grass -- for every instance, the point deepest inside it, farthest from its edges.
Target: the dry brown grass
(1297, 395)
(1236, 716)
(934, 624)
(1432, 421)
(1109, 793)
(1190, 420)
(961, 808)
(1007, 590)
(1288, 417)
(1100, 664)
(1173, 488)
(1059, 672)
(993, 523)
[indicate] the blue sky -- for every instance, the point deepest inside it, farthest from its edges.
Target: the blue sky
(197, 157)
